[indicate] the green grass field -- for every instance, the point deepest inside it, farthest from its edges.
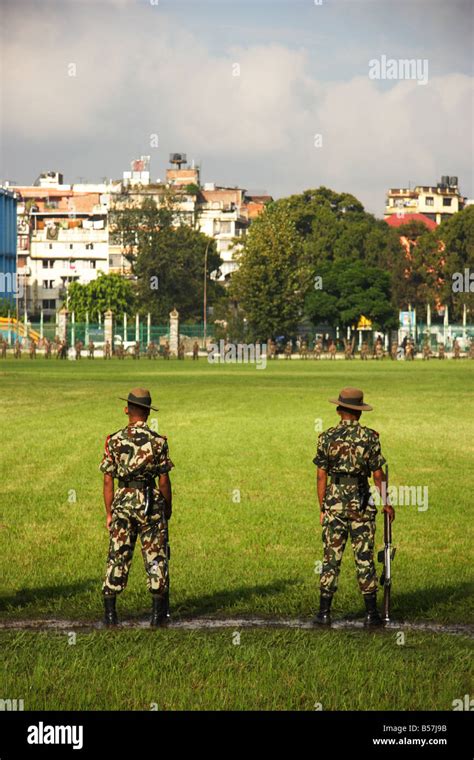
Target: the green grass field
(234, 432)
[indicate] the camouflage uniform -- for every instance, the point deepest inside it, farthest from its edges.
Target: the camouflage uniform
(135, 453)
(348, 449)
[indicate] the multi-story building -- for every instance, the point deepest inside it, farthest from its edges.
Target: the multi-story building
(436, 202)
(222, 213)
(62, 238)
(9, 286)
(66, 233)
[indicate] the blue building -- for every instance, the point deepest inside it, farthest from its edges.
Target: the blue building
(8, 233)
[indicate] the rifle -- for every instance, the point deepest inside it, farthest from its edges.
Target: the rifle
(386, 556)
(168, 555)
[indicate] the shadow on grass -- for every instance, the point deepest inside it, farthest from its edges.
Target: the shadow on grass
(213, 603)
(422, 601)
(25, 596)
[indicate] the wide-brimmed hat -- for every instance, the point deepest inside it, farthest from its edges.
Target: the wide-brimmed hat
(352, 398)
(139, 397)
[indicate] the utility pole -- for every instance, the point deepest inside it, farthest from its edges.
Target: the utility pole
(205, 292)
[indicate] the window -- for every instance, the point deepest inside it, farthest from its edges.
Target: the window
(49, 303)
(48, 263)
(48, 284)
(429, 200)
(71, 246)
(93, 264)
(50, 246)
(446, 201)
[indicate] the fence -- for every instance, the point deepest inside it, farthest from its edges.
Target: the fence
(82, 331)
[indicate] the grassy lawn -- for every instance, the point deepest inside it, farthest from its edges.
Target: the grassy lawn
(297, 670)
(245, 535)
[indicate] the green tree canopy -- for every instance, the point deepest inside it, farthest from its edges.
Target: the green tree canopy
(351, 290)
(271, 280)
(108, 291)
(167, 258)
(293, 242)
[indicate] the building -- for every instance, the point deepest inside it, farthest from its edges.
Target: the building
(436, 202)
(222, 213)
(62, 238)
(9, 285)
(66, 233)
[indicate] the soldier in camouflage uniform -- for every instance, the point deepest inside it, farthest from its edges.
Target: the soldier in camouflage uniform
(349, 454)
(136, 455)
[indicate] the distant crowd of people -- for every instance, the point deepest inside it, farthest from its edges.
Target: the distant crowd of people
(321, 347)
(59, 349)
(326, 347)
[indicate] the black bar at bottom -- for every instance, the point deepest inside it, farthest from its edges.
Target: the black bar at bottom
(376, 734)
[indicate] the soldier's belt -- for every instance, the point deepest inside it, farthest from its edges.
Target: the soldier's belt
(347, 480)
(135, 483)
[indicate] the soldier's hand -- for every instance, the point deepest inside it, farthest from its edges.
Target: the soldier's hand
(108, 521)
(390, 511)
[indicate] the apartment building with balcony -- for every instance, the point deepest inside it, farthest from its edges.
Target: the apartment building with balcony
(62, 238)
(435, 202)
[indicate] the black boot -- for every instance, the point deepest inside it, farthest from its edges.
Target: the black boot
(372, 616)
(110, 616)
(323, 617)
(160, 611)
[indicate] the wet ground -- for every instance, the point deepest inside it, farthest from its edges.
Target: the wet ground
(197, 624)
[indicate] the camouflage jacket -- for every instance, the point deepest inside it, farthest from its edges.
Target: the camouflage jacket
(134, 453)
(349, 448)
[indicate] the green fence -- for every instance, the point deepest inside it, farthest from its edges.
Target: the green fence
(80, 331)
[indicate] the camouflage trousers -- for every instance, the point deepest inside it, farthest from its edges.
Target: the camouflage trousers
(337, 527)
(127, 524)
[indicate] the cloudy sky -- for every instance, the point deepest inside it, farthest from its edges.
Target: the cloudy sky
(243, 87)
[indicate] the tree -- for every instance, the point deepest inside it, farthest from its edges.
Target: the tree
(350, 290)
(457, 238)
(271, 281)
(167, 258)
(108, 291)
(293, 242)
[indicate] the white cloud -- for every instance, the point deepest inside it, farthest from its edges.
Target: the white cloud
(159, 77)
